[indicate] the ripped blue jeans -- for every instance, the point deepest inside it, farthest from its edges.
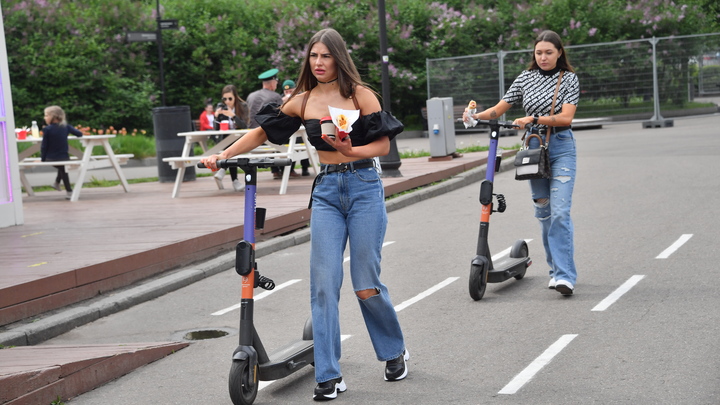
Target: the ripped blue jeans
(349, 206)
(554, 214)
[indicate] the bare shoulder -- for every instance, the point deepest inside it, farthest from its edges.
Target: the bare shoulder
(293, 106)
(367, 100)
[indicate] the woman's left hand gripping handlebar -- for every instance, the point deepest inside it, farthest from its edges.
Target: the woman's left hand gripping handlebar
(210, 162)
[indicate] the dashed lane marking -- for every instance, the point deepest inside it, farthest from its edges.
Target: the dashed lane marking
(544, 359)
(425, 294)
(619, 292)
(675, 246)
(257, 297)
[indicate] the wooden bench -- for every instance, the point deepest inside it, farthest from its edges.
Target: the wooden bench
(96, 162)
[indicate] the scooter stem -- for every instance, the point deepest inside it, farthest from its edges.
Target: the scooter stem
(492, 152)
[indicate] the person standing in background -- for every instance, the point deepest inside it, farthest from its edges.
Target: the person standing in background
(258, 98)
(54, 145)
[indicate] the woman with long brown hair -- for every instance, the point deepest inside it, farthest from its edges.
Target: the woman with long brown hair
(347, 203)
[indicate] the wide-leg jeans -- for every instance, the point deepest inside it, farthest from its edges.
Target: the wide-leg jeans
(350, 206)
(554, 216)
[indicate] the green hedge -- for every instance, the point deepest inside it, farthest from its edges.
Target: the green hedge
(74, 53)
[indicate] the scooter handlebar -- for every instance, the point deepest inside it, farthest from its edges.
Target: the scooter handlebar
(504, 124)
(249, 162)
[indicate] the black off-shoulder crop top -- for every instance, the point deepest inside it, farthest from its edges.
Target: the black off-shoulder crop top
(279, 127)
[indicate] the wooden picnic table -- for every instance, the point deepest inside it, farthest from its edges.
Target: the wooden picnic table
(83, 160)
(293, 150)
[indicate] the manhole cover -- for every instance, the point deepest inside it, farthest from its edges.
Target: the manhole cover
(204, 334)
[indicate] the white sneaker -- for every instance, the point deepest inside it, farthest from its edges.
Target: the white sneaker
(56, 186)
(564, 287)
(552, 283)
(237, 185)
(219, 177)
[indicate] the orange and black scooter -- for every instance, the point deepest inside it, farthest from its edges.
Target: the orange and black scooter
(482, 269)
(250, 362)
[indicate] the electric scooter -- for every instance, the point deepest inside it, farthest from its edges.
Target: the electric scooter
(483, 270)
(250, 361)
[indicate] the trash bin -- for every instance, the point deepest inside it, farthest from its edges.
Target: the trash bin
(167, 123)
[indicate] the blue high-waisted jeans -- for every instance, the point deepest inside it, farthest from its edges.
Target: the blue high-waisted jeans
(554, 216)
(349, 205)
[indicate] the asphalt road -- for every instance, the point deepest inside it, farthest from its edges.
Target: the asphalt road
(642, 328)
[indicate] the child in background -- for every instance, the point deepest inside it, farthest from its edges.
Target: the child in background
(54, 145)
(207, 118)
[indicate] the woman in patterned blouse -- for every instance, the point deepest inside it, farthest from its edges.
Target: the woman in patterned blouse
(535, 88)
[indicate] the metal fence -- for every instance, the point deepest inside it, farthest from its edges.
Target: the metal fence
(638, 78)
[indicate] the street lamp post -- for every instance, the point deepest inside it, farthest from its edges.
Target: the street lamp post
(390, 163)
(160, 55)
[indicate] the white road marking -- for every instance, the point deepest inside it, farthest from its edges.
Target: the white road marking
(675, 246)
(537, 364)
(424, 294)
(506, 252)
(257, 297)
(619, 292)
(347, 259)
(264, 384)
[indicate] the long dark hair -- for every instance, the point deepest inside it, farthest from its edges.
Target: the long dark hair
(240, 106)
(552, 37)
(348, 75)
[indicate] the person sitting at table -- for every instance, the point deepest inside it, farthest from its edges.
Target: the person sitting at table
(54, 145)
(234, 110)
(207, 118)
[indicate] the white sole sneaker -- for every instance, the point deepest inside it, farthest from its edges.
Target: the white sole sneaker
(219, 177)
(237, 185)
(328, 393)
(564, 287)
(405, 357)
(552, 283)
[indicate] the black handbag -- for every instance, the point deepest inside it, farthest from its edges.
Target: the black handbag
(535, 163)
(532, 163)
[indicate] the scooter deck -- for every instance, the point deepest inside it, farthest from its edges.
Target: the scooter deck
(287, 359)
(506, 268)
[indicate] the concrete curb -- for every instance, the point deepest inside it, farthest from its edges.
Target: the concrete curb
(72, 317)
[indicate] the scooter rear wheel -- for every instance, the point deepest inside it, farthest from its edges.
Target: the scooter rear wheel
(520, 249)
(239, 383)
(478, 281)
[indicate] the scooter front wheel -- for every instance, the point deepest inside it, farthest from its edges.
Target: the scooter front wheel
(478, 281)
(240, 383)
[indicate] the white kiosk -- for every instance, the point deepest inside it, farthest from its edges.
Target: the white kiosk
(11, 209)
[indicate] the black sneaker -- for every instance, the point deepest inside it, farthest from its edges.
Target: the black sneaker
(396, 369)
(328, 390)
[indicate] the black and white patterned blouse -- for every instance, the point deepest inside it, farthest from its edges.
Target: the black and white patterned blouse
(535, 88)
